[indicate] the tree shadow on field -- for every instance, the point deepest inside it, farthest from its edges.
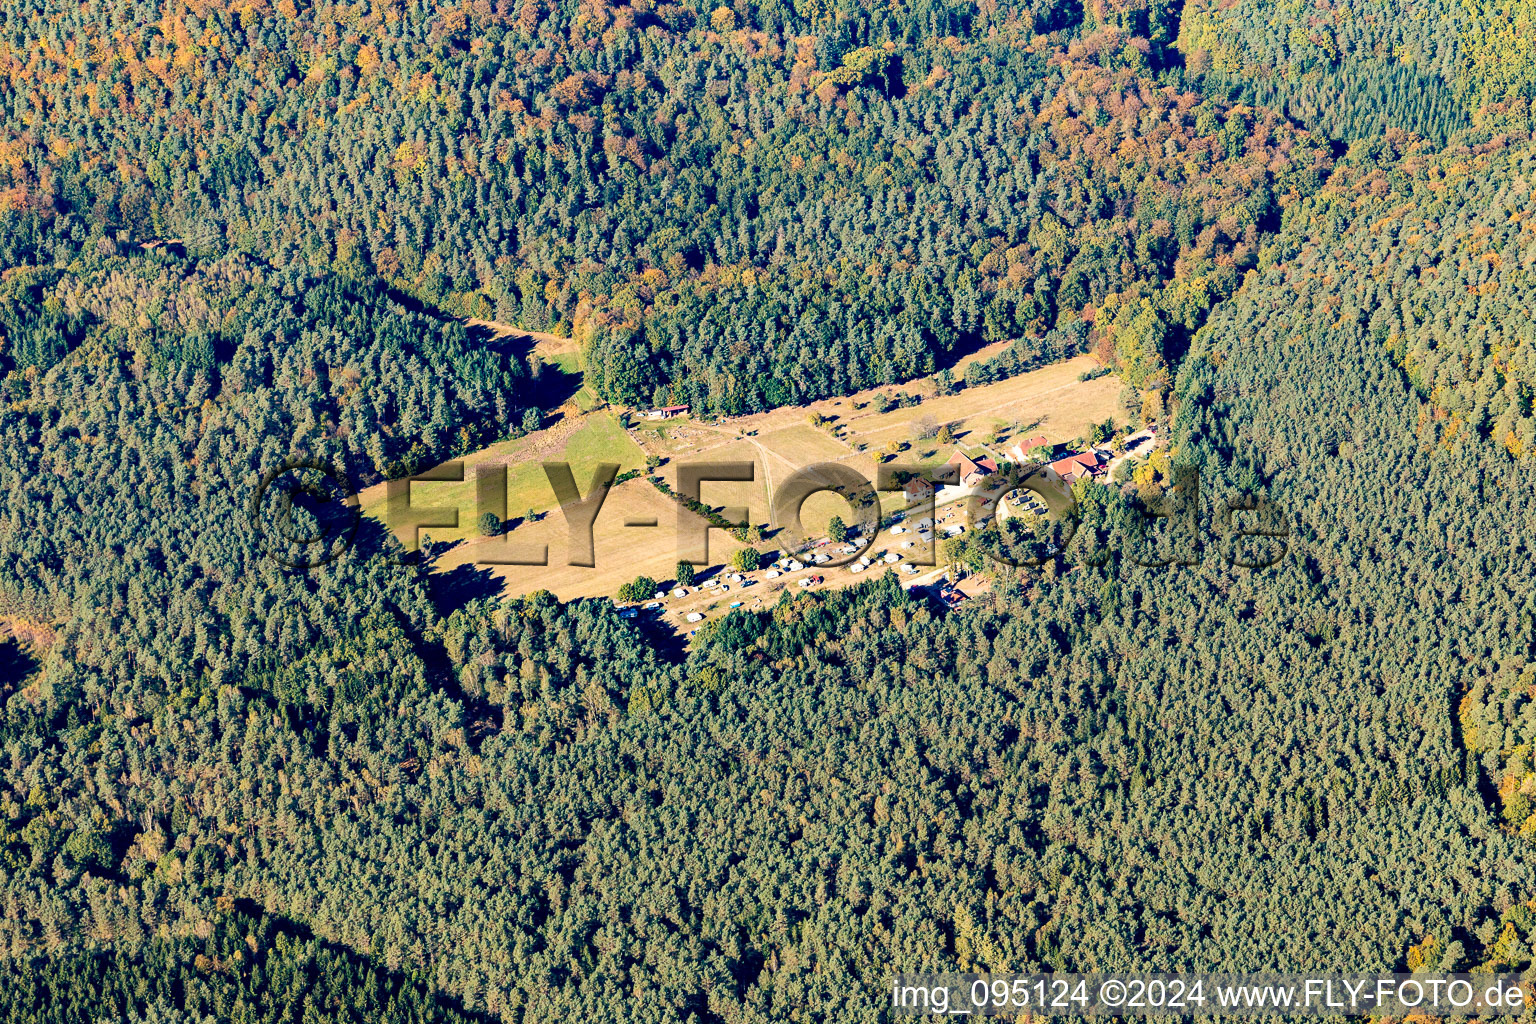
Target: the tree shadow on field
(551, 386)
(453, 589)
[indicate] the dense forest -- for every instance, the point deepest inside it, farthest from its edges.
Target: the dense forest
(1354, 70)
(730, 209)
(237, 238)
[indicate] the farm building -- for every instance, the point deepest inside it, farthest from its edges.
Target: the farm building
(918, 489)
(972, 471)
(1074, 467)
(1029, 448)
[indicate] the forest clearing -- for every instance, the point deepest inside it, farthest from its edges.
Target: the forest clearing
(853, 430)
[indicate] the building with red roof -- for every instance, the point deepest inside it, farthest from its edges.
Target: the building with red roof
(1074, 467)
(972, 471)
(1021, 452)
